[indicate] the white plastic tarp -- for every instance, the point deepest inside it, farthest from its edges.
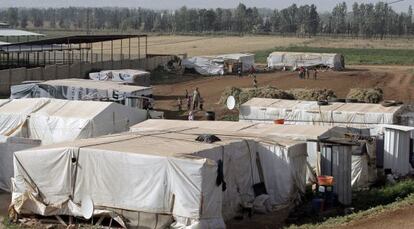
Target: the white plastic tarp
(63, 120)
(130, 76)
(310, 113)
(9, 145)
(78, 89)
(204, 66)
(246, 59)
(298, 59)
(13, 115)
(360, 173)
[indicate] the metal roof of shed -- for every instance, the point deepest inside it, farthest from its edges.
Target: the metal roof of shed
(17, 33)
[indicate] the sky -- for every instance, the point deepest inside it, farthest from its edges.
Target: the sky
(323, 5)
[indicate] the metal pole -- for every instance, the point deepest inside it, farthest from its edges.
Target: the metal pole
(129, 49)
(139, 48)
(121, 52)
(146, 46)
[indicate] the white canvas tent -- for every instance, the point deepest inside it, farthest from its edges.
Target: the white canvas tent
(8, 145)
(279, 60)
(52, 121)
(160, 172)
(218, 65)
(299, 112)
(129, 76)
(78, 89)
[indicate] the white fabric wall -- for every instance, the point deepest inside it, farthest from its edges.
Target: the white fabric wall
(134, 182)
(310, 113)
(295, 59)
(336, 161)
(240, 174)
(397, 151)
(73, 120)
(284, 171)
(9, 145)
(360, 172)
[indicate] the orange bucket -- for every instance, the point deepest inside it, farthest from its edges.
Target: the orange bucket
(325, 180)
(279, 121)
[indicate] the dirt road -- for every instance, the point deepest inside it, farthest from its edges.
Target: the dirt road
(396, 81)
(400, 218)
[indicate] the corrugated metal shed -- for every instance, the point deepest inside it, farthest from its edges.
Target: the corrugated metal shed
(17, 33)
(397, 149)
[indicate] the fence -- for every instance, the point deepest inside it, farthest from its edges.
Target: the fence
(15, 76)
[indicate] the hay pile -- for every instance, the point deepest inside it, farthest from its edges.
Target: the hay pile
(368, 95)
(312, 94)
(243, 95)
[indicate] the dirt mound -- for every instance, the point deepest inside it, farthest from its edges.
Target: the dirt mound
(368, 95)
(243, 95)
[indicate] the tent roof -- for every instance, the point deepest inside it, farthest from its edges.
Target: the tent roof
(73, 108)
(303, 53)
(398, 127)
(238, 130)
(313, 106)
(95, 84)
(17, 33)
(157, 144)
(22, 106)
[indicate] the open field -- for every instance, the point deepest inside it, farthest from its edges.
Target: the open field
(396, 81)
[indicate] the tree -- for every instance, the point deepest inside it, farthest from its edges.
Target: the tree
(313, 20)
(13, 17)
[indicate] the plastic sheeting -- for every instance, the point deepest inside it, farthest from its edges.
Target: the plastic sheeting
(204, 66)
(130, 76)
(360, 172)
(78, 89)
(215, 65)
(9, 145)
(298, 59)
(298, 112)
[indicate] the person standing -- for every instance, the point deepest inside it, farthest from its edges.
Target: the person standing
(191, 116)
(315, 73)
(179, 104)
(188, 103)
(254, 81)
(307, 73)
(196, 98)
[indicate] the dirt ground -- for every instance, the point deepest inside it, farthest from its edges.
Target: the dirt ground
(396, 81)
(400, 218)
(213, 45)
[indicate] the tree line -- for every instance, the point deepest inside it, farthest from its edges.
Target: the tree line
(359, 20)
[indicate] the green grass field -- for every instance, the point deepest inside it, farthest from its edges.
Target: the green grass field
(353, 56)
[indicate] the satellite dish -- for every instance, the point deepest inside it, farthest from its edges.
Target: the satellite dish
(87, 207)
(231, 102)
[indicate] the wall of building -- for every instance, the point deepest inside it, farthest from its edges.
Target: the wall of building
(15, 76)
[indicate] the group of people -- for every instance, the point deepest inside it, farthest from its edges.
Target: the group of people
(304, 73)
(193, 101)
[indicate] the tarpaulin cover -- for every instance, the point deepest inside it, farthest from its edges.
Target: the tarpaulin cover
(161, 169)
(310, 113)
(78, 89)
(204, 66)
(9, 145)
(52, 121)
(130, 76)
(214, 65)
(298, 59)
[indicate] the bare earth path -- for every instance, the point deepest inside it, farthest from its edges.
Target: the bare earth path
(396, 81)
(401, 218)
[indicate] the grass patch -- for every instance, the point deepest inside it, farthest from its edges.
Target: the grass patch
(368, 203)
(341, 220)
(232, 117)
(352, 56)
